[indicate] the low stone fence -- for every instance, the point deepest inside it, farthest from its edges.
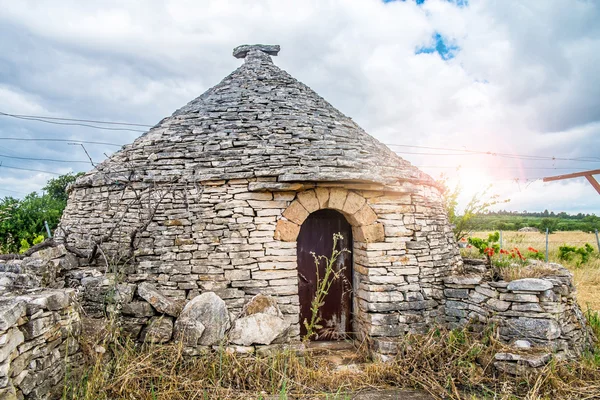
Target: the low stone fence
(538, 318)
(38, 343)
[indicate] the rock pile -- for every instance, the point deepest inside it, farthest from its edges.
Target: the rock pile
(45, 268)
(537, 314)
(38, 343)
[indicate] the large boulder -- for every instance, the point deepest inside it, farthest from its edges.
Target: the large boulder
(260, 322)
(161, 303)
(203, 321)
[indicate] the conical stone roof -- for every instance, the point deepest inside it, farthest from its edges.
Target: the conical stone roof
(257, 122)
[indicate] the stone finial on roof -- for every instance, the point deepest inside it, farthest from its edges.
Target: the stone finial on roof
(243, 50)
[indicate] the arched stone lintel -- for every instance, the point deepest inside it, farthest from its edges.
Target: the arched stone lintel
(352, 205)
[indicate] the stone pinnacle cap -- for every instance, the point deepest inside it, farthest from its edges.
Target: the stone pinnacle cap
(243, 50)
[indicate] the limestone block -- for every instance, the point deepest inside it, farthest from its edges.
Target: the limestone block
(237, 275)
(547, 329)
(253, 196)
(257, 329)
(364, 216)
(337, 198)
(49, 300)
(260, 204)
(10, 340)
(457, 293)
(530, 285)
(50, 253)
(286, 231)
(520, 298)
(353, 203)
(203, 321)
(158, 330)
(369, 233)
(463, 280)
(527, 307)
(10, 311)
(138, 309)
(287, 196)
(532, 360)
(161, 303)
(260, 322)
(274, 274)
(296, 212)
(308, 199)
(322, 196)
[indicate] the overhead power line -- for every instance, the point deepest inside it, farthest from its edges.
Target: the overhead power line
(61, 140)
(11, 191)
(491, 153)
(496, 168)
(77, 120)
(32, 118)
(45, 159)
(28, 169)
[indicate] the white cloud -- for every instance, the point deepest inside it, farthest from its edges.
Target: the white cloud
(523, 80)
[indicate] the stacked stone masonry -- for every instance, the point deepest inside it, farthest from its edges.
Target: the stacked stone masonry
(237, 243)
(540, 315)
(39, 345)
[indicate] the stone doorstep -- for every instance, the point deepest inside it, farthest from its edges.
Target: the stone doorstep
(330, 345)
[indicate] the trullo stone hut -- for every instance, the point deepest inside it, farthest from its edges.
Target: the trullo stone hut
(232, 193)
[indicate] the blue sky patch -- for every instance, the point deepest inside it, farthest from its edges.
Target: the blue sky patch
(459, 3)
(441, 46)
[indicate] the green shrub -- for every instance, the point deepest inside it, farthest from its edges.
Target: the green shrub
(568, 253)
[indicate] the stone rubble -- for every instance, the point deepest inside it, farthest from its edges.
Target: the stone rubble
(539, 314)
(203, 321)
(38, 343)
(260, 322)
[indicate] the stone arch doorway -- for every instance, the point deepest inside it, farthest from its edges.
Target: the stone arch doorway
(316, 235)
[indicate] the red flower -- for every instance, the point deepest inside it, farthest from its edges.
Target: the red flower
(489, 251)
(519, 254)
(532, 249)
(502, 251)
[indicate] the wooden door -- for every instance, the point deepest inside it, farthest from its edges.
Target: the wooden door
(316, 235)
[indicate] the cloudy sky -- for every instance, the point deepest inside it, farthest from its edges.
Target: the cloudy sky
(442, 82)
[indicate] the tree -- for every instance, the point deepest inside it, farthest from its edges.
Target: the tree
(548, 223)
(22, 221)
(57, 187)
(480, 203)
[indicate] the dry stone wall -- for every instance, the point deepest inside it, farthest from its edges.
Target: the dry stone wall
(38, 343)
(538, 317)
(237, 239)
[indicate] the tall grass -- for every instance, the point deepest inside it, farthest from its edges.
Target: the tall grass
(447, 364)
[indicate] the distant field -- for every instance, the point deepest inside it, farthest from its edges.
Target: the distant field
(587, 276)
(514, 222)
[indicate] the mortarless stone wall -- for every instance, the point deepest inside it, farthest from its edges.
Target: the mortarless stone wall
(538, 318)
(39, 331)
(238, 238)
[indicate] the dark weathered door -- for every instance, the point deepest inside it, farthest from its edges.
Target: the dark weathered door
(316, 235)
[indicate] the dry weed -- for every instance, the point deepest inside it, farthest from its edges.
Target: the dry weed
(526, 271)
(447, 364)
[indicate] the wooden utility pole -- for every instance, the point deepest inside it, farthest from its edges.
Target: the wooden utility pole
(588, 175)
